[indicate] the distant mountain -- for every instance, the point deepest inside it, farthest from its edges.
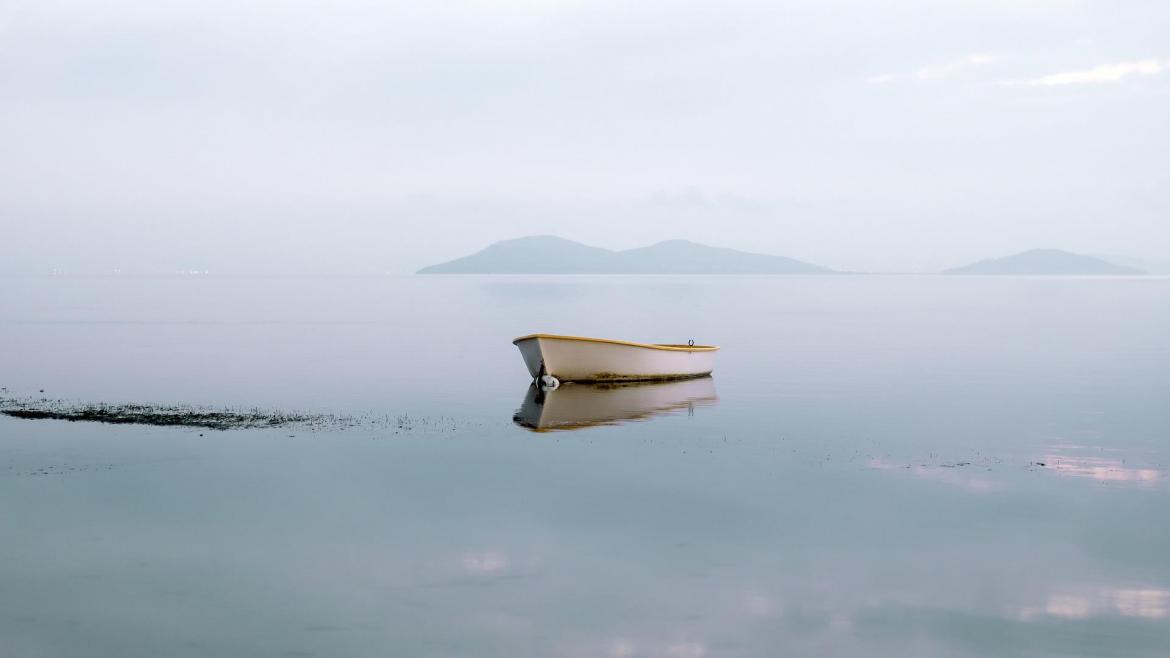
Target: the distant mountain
(1045, 262)
(547, 254)
(1150, 266)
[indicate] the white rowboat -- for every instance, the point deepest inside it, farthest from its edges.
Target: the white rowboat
(579, 359)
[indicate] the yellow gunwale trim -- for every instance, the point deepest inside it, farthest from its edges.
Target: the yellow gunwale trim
(653, 346)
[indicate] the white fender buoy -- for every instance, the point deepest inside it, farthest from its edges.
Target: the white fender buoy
(549, 383)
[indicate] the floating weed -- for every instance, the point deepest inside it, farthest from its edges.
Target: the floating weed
(220, 419)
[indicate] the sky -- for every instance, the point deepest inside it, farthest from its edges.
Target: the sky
(363, 137)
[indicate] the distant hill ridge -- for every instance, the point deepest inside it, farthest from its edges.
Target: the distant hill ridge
(1151, 266)
(548, 254)
(1051, 262)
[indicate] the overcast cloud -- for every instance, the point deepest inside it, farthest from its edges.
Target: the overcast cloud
(359, 137)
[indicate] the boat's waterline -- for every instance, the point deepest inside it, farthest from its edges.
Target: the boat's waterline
(581, 359)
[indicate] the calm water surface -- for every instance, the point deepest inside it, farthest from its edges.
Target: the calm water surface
(881, 466)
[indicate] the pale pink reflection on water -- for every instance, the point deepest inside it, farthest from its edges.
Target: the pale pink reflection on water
(1143, 602)
(1064, 460)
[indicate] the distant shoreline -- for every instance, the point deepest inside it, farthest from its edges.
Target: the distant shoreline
(548, 255)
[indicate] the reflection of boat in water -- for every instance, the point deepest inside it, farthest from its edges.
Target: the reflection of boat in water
(576, 406)
(578, 359)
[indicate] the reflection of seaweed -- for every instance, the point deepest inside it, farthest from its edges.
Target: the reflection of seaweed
(210, 418)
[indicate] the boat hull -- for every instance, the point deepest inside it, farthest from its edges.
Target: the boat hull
(577, 359)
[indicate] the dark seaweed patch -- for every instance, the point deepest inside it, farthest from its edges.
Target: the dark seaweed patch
(213, 418)
(161, 415)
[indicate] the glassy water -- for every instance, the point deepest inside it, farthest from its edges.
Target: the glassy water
(911, 466)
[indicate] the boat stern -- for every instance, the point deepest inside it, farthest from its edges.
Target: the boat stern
(529, 347)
